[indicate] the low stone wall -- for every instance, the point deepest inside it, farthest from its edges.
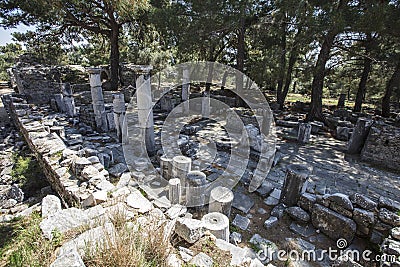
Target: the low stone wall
(48, 148)
(382, 146)
(341, 216)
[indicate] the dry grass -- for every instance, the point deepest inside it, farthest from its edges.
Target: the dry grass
(131, 244)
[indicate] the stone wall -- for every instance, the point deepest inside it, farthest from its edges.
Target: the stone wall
(86, 115)
(382, 146)
(341, 216)
(48, 148)
(41, 82)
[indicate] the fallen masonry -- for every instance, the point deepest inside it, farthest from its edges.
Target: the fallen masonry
(80, 150)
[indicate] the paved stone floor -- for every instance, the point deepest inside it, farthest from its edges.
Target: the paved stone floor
(339, 172)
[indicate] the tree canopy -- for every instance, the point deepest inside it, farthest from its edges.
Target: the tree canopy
(315, 48)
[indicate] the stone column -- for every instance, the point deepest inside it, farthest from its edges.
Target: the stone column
(97, 99)
(119, 113)
(295, 184)
(218, 224)
(69, 102)
(359, 135)
(304, 133)
(195, 187)
(181, 166)
(166, 167)
(205, 105)
(59, 102)
(145, 105)
(175, 191)
(341, 101)
(186, 89)
(221, 200)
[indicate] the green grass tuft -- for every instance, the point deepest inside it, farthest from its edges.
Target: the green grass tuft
(24, 245)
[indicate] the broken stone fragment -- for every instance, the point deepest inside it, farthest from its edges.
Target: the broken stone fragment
(270, 222)
(307, 201)
(389, 204)
(242, 202)
(63, 221)
(95, 198)
(79, 164)
(70, 258)
(395, 233)
(118, 170)
(89, 240)
(341, 200)
(50, 205)
(15, 193)
(173, 261)
(88, 173)
(68, 153)
(363, 201)
(202, 260)
(235, 238)
(363, 218)
(389, 217)
(137, 201)
(303, 230)
(241, 222)
(105, 185)
(333, 224)
(190, 230)
(175, 211)
(298, 214)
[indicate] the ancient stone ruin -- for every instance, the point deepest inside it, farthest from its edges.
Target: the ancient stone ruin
(310, 190)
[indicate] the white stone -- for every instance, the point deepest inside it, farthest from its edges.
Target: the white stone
(89, 240)
(173, 260)
(190, 230)
(137, 201)
(70, 258)
(88, 172)
(50, 205)
(175, 211)
(202, 260)
(95, 198)
(218, 224)
(105, 186)
(63, 221)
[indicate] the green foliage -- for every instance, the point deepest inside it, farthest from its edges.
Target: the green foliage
(21, 171)
(26, 246)
(234, 228)
(8, 54)
(27, 173)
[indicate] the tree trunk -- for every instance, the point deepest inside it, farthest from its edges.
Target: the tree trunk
(279, 96)
(292, 60)
(319, 71)
(392, 85)
(240, 60)
(318, 79)
(362, 86)
(114, 57)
